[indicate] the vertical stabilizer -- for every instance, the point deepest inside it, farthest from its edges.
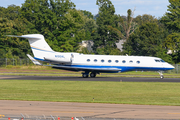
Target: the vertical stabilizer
(39, 46)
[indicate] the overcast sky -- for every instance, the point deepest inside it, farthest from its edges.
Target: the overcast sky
(156, 8)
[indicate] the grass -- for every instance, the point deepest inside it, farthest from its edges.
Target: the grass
(85, 91)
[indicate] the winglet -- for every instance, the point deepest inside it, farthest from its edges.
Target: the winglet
(33, 60)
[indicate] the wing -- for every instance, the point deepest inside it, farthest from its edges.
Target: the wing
(91, 69)
(75, 68)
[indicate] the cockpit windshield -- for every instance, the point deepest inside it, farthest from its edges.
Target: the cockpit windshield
(163, 61)
(156, 60)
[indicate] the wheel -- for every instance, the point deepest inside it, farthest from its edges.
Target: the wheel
(93, 75)
(161, 76)
(84, 75)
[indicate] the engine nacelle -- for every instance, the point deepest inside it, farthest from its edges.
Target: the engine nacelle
(59, 59)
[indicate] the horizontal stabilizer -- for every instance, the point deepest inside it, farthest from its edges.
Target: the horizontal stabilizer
(26, 36)
(33, 60)
(13, 36)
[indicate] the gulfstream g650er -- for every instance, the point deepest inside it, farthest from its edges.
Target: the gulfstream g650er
(91, 64)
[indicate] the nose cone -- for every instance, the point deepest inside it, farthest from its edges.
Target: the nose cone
(168, 66)
(171, 67)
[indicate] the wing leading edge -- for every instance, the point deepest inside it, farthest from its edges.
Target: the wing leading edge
(73, 68)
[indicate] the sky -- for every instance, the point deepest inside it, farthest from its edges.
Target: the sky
(155, 8)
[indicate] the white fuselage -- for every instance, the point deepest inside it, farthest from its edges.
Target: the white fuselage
(125, 63)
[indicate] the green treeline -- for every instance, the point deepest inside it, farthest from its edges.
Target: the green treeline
(64, 27)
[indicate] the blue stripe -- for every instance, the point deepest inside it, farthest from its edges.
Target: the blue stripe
(39, 59)
(123, 68)
(42, 50)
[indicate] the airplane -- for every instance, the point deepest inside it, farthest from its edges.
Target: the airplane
(91, 65)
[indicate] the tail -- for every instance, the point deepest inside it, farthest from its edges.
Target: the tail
(39, 46)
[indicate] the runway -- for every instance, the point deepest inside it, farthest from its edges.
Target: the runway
(89, 111)
(113, 79)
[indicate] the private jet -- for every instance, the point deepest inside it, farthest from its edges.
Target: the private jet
(91, 65)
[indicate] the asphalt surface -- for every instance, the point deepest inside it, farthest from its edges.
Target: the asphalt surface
(114, 79)
(89, 111)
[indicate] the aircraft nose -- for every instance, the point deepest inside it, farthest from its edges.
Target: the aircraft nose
(171, 66)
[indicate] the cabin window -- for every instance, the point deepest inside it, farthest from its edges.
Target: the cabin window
(88, 60)
(116, 61)
(95, 60)
(123, 61)
(102, 60)
(130, 61)
(109, 61)
(138, 62)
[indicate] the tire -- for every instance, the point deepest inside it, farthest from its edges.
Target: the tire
(85, 75)
(93, 75)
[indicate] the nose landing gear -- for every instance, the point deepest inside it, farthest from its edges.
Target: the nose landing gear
(161, 74)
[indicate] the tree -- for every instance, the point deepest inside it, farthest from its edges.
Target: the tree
(14, 47)
(12, 24)
(47, 16)
(147, 40)
(71, 30)
(171, 19)
(11, 12)
(127, 24)
(172, 42)
(144, 19)
(106, 34)
(90, 27)
(87, 13)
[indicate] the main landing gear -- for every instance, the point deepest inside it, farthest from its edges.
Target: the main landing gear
(93, 75)
(161, 74)
(86, 74)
